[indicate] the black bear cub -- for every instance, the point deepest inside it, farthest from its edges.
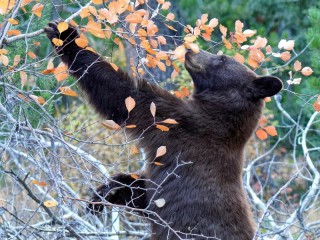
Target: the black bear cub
(199, 182)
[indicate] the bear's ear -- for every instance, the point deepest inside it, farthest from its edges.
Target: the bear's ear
(265, 87)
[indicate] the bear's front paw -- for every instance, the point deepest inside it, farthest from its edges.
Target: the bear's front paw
(68, 36)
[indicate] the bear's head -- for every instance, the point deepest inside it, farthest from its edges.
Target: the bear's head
(230, 94)
(211, 73)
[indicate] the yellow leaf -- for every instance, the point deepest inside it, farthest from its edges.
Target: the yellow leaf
(130, 103)
(57, 42)
(61, 72)
(153, 109)
(169, 121)
(297, 66)
(271, 130)
(163, 128)
(6, 6)
(50, 203)
(13, 32)
(67, 91)
(161, 151)
(81, 42)
(62, 26)
(37, 9)
(170, 16)
(261, 134)
(306, 71)
(134, 176)
(3, 51)
(171, 28)
(13, 21)
(110, 124)
(97, 2)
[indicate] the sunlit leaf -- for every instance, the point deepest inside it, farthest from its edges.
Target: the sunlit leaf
(238, 26)
(67, 91)
(57, 42)
(169, 121)
(271, 130)
(162, 128)
(134, 18)
(239, 58)
(316, 104)
(261, 134)
(153, 109)
(13, 32)
(134, 176)
(110, 124)
(297, 66)
(213, 22)
(97, 2)
(23, 78)
(130, 103)
(4, 60)
(95, 29)
(131, 126)
(285, 56)
(37, 9)
(223, 30)
(166, 5)
(260, 42)
(61, 72)
(62, 26)
(170, 16)
(40, 100)
(161, 151)
(180, 52)
(13, 21)
(158, 163)
(6, 6)
(42, 184)
(194, 47)
(306, 71)
(160, 202)
(50, 203)
(249, 33)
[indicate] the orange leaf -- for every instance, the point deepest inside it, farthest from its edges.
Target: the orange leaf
(267, 99)
(115, 67)
(297, 66)
(285, 56)
(61, 72)
(239, 58)
(3, 51)
(13, 32)
(134, 18)
(316, 104)
(4, 60)
(32, 55)
(95, 29)
(97, 2)
(62, 26)
(57, 42)
(185, 91)
(170, 17)
(238, 26)
(130, 103)
(306, 71)
(42, 184)
(37, 9)
(169, 121)
(40, 100)
(81, 42)
(6, 6)
(158, 163)
(23, 77)
(16, 60)
(180, 52)
(161, 151)
(261, 134)
(194, 47)
(223, 30)
(271, 130)
(134, 150)
(110, 124)
(131, 126)
(67, 91)
(161, 66)
(162, 40)
(163, 128)
(50, 203)
(134, 176)
(252, 63)
(166, 5)
(227, 44)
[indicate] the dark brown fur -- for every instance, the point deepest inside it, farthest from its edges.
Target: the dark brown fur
(204, 197)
